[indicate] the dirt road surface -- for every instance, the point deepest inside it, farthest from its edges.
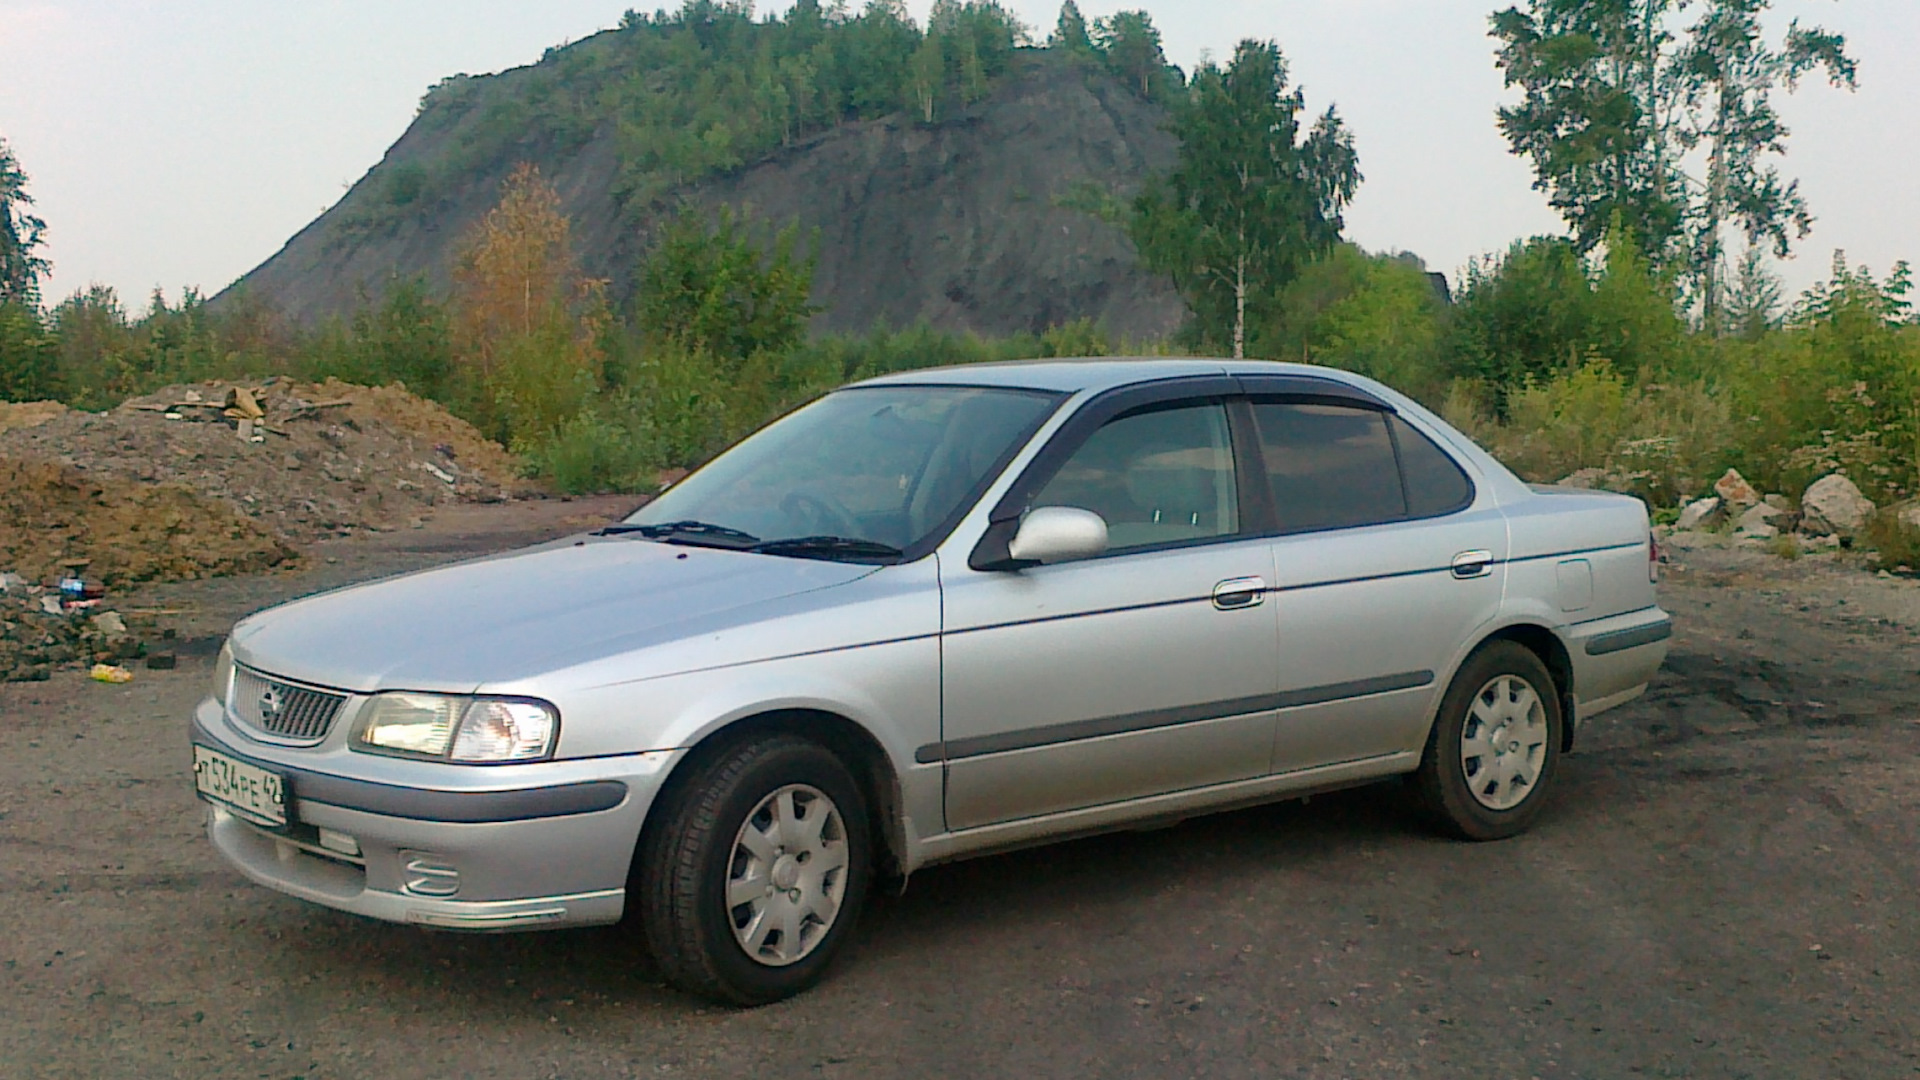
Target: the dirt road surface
(1724, 886)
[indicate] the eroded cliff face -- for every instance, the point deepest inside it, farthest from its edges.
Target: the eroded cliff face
(957, 223)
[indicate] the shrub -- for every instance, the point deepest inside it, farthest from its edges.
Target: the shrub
(1895, 540)
(1661, 442)
(597, 450)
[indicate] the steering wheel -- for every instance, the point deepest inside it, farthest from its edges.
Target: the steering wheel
(827, 515)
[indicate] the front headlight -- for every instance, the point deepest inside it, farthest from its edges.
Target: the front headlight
(471, 730)
(222, 675)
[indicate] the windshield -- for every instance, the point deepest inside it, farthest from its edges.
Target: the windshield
(864, 473)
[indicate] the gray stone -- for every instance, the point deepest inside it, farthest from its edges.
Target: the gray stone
(1834, 505)
(1760, 522)
(1699, 514)
(1583, 478)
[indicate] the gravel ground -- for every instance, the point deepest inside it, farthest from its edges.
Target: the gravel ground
(1723, 887)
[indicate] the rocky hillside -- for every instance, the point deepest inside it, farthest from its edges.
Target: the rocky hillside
(956, 223)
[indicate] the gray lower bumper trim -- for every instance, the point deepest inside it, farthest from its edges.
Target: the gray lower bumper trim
(425, 804)
(1631, 638)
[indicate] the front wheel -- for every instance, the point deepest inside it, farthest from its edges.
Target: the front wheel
(756, 872)
(1495, 745)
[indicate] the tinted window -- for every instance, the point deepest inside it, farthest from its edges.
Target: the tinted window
(1330, 466)
(1435, 485)
(1157, 477)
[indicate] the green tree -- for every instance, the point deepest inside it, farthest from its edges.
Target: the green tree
(1379, 315)
(927, 77)
(21, 235)
(1596, 113)
(1615, 103)
(1727, 73)
(709, 288)
(1250, 200)
(1131, 45)
(1070, 32)
(29, 354)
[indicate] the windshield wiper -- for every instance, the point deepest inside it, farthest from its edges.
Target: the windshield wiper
(827, 547)
(684, 532)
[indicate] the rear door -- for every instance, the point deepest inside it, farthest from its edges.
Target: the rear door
(1147, 670)
(1384, 563)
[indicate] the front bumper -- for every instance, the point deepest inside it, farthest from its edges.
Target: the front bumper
(540, 846)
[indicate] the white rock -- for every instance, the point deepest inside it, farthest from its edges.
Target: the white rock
(1699, 513)
(1834, 505)
(1583, 478)
(110, 623)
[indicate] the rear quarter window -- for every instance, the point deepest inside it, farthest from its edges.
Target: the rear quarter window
(1435, 484)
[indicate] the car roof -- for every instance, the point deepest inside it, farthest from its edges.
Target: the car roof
(1095, 374)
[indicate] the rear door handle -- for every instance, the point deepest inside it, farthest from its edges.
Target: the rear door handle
(1240, 592)
(1473, 564)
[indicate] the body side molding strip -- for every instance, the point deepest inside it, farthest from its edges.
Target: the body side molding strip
(1126, 723)
(1631, 638)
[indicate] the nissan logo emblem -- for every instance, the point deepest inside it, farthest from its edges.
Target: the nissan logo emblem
(270, 705)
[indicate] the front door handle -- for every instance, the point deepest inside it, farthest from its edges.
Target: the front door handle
(1241, 592)
(1473, 564)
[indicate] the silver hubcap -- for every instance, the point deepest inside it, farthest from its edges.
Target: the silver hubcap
(788, 875)
(1503, 744)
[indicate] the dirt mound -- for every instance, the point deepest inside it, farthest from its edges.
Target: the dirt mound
(56, 519)
(28, 413)
(306, 460)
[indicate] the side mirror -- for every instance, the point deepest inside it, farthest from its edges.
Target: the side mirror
(1054, 534)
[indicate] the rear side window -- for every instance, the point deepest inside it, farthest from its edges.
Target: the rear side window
(1331, 466)
(1435, 485)
(1336, 466)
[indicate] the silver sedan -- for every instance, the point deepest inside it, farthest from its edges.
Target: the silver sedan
(925, 617)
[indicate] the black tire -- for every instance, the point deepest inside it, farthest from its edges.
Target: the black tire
(686, 855)
(1442, 786)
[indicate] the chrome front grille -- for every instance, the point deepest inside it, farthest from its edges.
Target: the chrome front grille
(282, 710)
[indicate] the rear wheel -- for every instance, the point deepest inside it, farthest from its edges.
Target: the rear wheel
(1494, 747)
(756, 872)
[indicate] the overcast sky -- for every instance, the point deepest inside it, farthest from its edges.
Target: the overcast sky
(181, 143)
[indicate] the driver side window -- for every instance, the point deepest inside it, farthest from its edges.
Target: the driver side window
(1158, 476)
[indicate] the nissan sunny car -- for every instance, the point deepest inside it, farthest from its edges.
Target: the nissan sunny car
(923, 617)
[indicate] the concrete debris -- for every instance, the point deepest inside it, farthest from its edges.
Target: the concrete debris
(1760, 522)
(1700, 514)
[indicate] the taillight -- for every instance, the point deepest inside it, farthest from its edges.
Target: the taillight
(1653, 558)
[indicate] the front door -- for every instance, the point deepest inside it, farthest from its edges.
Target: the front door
(1147, 670)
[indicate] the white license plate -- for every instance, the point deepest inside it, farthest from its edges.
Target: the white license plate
(250, 791)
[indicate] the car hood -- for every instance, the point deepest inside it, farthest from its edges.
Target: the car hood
(516, 615)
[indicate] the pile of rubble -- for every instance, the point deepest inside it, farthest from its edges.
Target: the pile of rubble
(217, 478)
(306, 460)
(1832, 513)
(41, 628)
